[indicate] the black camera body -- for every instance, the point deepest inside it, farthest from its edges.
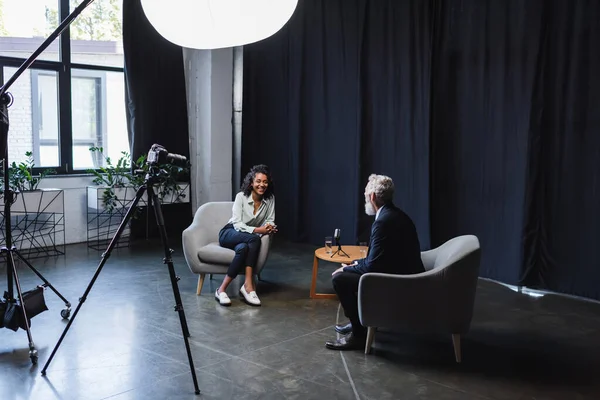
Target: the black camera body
(159, 155)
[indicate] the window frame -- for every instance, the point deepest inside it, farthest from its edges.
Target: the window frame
(63, 68)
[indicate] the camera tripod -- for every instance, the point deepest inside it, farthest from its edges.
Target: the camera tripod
(9, 251)
(152, 177)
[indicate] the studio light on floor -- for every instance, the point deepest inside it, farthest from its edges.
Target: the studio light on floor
(214, 24)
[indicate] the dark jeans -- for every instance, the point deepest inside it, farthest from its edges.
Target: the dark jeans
(245, 245)
(345, 285)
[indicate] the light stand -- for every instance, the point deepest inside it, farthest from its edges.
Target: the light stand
(9, 251)
(152, 177)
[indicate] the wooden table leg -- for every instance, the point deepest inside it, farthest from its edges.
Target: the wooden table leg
(313, 284)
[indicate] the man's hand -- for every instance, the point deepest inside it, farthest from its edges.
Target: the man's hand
(350, 265)
(340, 269)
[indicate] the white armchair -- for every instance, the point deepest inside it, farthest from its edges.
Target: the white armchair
(441, 299)
(201, 248)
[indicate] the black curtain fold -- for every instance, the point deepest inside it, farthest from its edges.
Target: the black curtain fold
(485, 114)
(394, 103)
(300, 113)
(483, 79)
(561, 252)
(156, 107)
(155, 86)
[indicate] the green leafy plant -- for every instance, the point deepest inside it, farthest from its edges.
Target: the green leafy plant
(113, 176)
(121, 175)
(171, 176)
(21, 177)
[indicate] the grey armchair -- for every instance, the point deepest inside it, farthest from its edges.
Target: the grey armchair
(441, 299)
(201, 248)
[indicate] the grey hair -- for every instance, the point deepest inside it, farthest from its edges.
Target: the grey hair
(382, 186)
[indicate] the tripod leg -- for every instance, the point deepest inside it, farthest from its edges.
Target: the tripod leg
(105, 257)
(174, 278)
(33, 354)
(64, 313)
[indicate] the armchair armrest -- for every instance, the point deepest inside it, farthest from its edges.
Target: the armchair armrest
(193, 238)
(263, 255)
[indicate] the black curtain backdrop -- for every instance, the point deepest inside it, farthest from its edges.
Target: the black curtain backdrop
(317, 110)
(563, 189)
(485, 113)
(485, 55)
(155, 86)
(155, 96)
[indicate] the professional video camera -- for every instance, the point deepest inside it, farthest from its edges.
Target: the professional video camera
(159, 155)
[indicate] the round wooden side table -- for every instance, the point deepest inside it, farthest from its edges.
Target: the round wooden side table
(353, 253)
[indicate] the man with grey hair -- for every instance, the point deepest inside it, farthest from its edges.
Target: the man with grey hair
(393, 249)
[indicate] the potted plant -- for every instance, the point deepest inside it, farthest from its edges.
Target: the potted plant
(21, 177)
(173, 183)
(115, 181)
(37, 215)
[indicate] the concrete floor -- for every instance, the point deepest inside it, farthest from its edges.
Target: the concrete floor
(126, 341)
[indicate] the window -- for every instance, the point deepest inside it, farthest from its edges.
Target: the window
(73, 96)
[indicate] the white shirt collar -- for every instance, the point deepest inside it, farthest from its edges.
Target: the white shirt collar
(250, 200)
(378, 211)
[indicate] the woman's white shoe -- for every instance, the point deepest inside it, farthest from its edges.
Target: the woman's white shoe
(222, 298)
(251, 298)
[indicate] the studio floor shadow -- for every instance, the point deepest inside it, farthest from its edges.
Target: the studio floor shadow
(126, 342)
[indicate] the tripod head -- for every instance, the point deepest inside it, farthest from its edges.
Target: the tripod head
(158, 155)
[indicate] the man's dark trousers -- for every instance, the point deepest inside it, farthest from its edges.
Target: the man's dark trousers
(345, 285)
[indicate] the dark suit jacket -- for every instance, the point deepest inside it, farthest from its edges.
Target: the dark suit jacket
(394, 247)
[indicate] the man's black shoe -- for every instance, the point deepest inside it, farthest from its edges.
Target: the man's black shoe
(344, 329)
(349, 342)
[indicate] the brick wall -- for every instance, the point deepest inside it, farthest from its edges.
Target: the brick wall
(20, 135)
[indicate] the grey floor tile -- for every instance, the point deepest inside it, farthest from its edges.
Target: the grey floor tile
(126, 342)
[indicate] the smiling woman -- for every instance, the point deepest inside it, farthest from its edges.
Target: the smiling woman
(253, 215)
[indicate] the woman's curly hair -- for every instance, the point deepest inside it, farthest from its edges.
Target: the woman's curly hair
(247, 183)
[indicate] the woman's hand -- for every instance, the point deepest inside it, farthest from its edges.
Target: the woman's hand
(261, 230)
(266, 229)
(271, 228)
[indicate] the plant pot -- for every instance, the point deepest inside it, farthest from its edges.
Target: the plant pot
(37, 222)
(124, 197)
(180, 195)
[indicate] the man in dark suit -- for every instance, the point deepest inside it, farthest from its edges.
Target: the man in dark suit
(394, 249)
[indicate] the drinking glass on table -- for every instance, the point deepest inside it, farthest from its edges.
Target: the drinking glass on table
(363, 249)
(328, 244)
